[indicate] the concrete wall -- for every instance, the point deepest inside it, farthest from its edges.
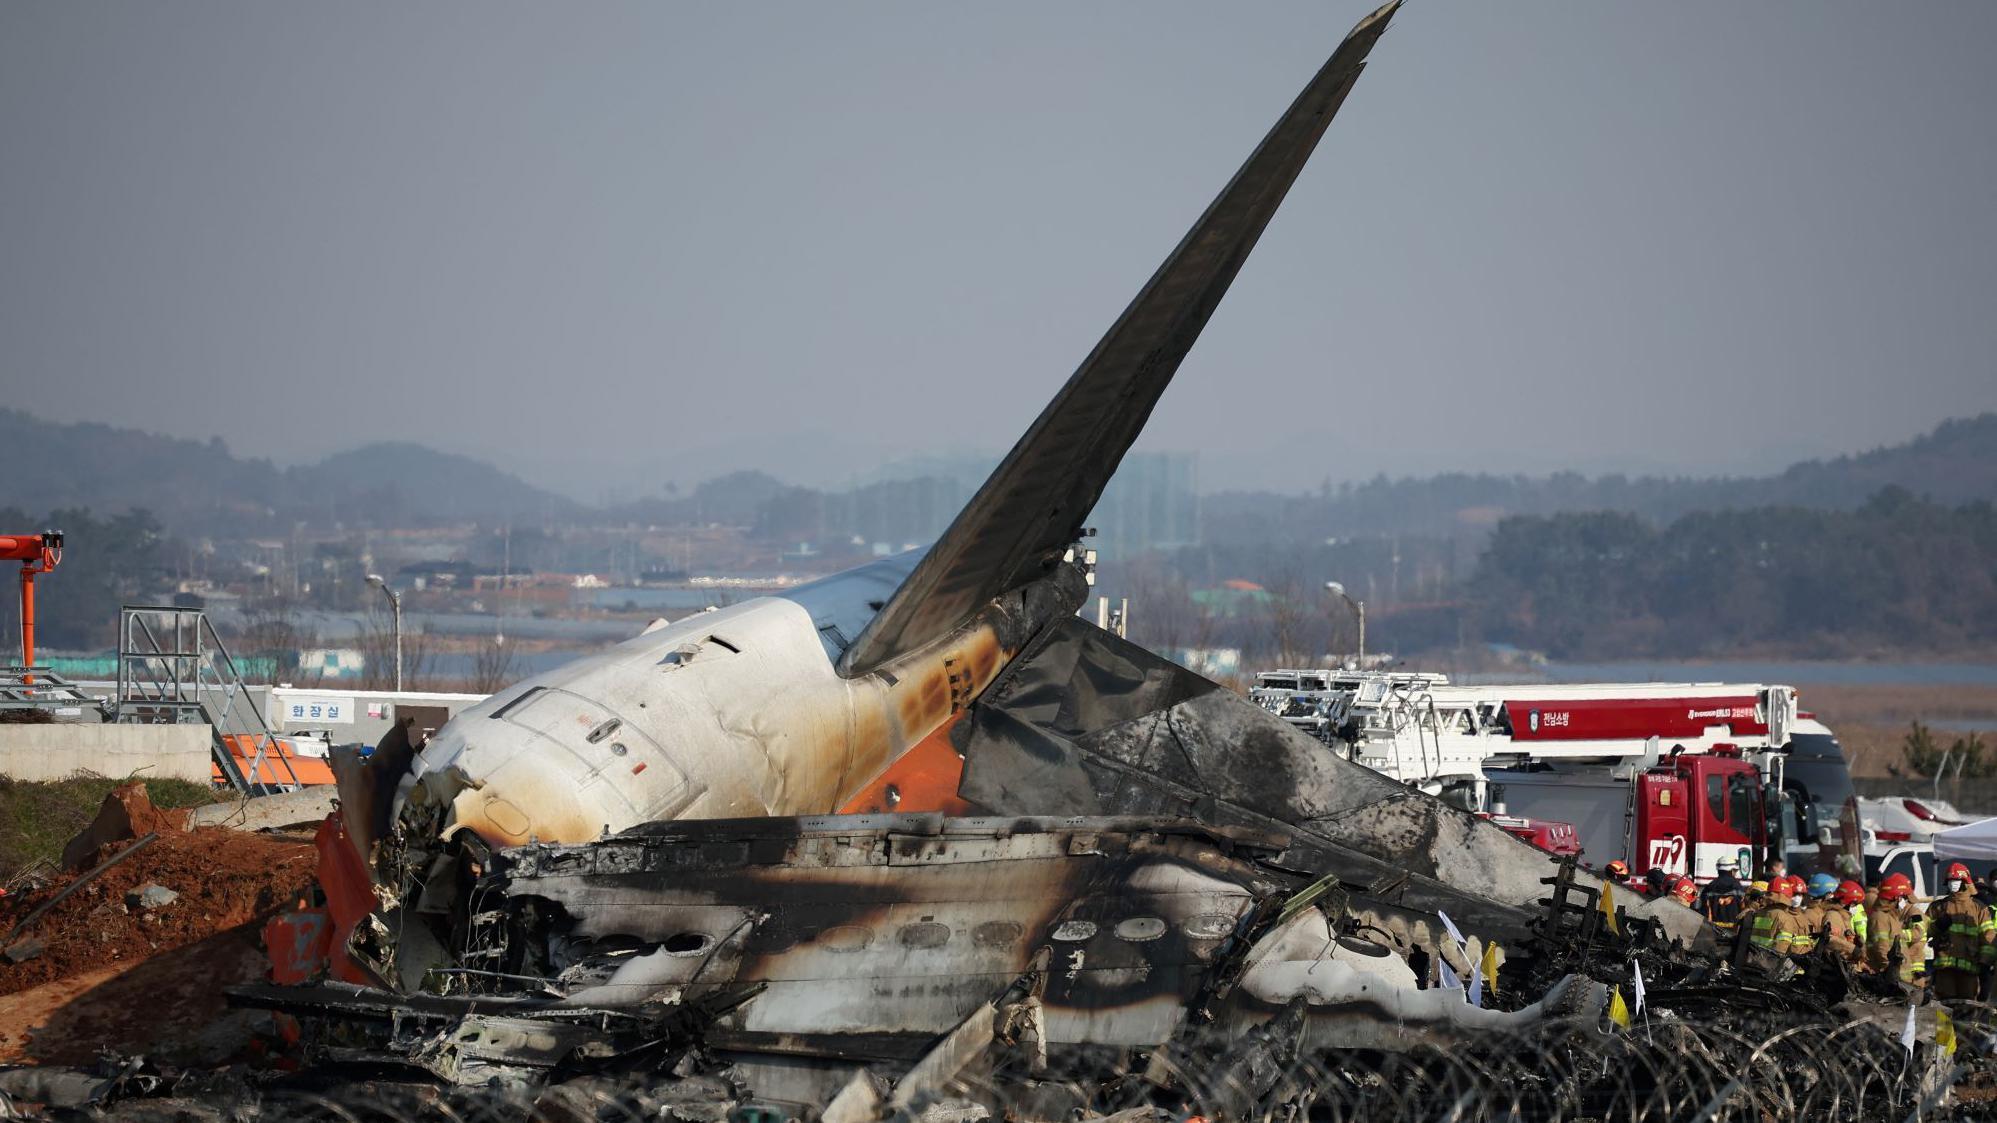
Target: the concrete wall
(148, 752)
(350, 716)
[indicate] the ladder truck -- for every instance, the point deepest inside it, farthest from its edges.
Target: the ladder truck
(1666, 776)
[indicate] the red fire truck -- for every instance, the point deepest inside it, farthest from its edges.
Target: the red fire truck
(1672, 776)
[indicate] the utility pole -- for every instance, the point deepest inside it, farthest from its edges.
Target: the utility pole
(395, 617)
(1358, 609)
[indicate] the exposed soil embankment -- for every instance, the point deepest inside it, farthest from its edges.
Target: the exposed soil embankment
(102, 969)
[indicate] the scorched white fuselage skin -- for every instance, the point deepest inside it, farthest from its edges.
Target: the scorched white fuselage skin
(737, 711)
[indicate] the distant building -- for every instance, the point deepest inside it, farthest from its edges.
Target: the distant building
(1234, 598)
(1152, 503)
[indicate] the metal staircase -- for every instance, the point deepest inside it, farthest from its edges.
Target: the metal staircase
(38, 688)
(173, 668)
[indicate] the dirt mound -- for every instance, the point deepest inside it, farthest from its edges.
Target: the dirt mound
(224, 879)
(127, 812)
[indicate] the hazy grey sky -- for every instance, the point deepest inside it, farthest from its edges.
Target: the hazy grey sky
(612, 244)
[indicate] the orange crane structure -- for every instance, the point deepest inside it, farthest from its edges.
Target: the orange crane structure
(37, 553)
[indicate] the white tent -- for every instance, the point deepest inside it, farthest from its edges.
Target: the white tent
(1973, 842)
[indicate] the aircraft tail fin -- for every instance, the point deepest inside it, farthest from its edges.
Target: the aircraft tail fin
(1026, 515)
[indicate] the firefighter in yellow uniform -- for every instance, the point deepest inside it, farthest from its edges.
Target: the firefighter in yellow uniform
(1803, 938)
(1846, 922)
(1826, 920)
(1893, 943)
(1778, 926)
(1753, 903)
(1964, 937)
(1854, 898)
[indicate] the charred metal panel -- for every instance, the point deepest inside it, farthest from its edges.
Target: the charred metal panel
(871, 929)
(856, 925)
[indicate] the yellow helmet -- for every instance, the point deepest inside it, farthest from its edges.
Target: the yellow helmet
(1760, 886)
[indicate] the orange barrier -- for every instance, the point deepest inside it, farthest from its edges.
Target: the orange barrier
(310, 770)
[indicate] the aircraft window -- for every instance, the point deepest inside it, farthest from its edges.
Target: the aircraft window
(1140, 928)
(927, 934)
(1074, 931)
(845, 938)
(1209, 926)
(997, 934)
(1716, 799)
(686, 943)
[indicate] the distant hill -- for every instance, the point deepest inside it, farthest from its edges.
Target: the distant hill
(395, 482)
(200, 487)
(1956, 463)
(52, 465)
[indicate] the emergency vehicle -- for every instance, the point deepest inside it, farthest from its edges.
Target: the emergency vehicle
(1671, 776)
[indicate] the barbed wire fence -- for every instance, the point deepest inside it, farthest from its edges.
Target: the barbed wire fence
(1709, 1066)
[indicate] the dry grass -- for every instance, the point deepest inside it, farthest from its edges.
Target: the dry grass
(1898, 705)
(38, 819)
(1871, 721)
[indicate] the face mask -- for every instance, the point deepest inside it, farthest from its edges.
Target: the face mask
(1796, 900)
(1955, 885)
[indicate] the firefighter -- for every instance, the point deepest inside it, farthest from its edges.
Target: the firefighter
(1685, 891)
(1964, 936)
(1617, 871)
(1656, 883)
(1893, 944)
(1724, 898)
(1826, 920)
(1753, 903)
(1852, 899)
(1804, 940)
(1777, 926)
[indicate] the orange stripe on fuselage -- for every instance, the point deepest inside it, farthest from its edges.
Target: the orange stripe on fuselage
(926, 777)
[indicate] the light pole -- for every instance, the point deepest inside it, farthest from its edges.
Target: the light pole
(395, 614)
(1359, 609)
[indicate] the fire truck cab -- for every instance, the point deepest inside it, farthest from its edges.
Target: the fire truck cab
(1693, 810)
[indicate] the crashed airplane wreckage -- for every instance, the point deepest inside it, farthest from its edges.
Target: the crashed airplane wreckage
(893, 820)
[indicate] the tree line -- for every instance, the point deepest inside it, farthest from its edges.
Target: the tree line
(1895, 574)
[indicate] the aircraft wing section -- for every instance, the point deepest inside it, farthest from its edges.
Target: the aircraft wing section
(1029, 511)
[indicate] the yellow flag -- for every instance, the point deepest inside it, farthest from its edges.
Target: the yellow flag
(1618, 1009)
(1609, 907)
(1490, 968)
(1944, 1033)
